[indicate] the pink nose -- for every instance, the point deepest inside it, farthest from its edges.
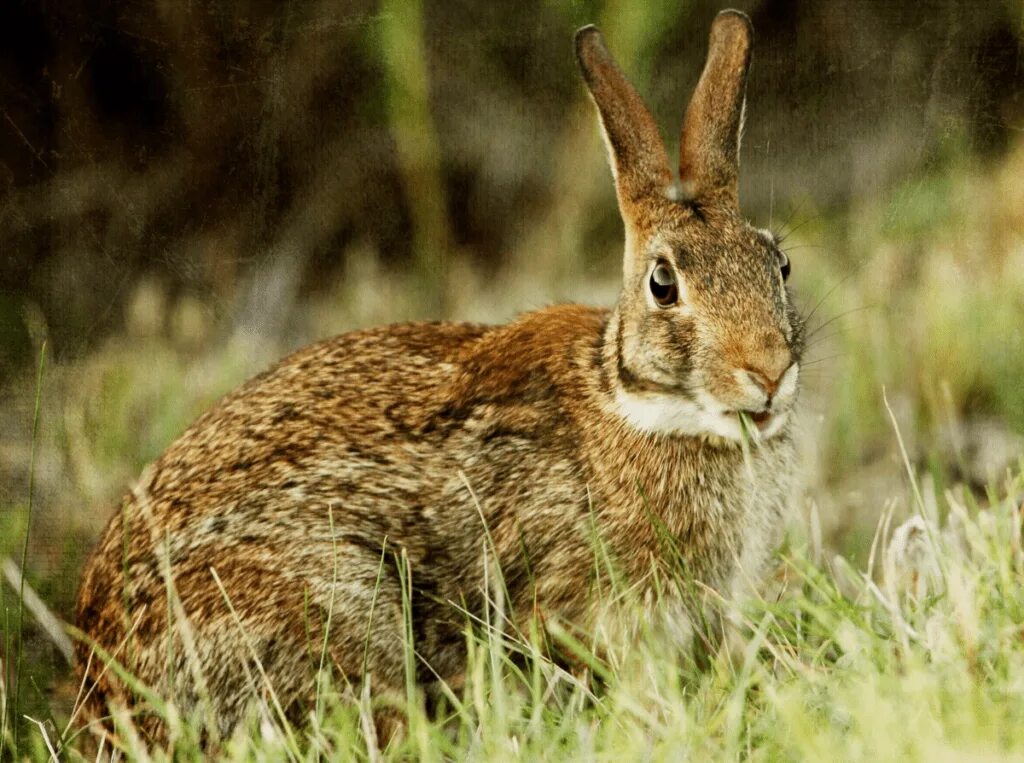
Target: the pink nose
(768, 376)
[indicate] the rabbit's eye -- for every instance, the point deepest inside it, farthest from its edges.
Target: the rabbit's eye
(663, 285)
(784, 265)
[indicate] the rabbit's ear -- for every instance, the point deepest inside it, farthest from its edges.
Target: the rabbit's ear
(709, 153)
(638, 157)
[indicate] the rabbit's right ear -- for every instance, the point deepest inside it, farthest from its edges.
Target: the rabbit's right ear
(638, 157)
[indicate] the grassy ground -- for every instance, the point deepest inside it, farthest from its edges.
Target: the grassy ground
(892, 629)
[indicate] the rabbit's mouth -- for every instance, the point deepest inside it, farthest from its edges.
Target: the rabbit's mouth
(701, 415)
(760, 419)
(760, 424)
(740, 423)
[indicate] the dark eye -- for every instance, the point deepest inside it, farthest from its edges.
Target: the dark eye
(784, 265)
(663, 285)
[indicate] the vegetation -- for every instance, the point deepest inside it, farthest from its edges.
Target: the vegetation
(830, 666)
(891, 628)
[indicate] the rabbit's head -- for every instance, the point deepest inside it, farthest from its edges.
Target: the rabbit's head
(707, 341)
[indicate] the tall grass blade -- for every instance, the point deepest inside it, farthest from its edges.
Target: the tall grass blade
(19, 632)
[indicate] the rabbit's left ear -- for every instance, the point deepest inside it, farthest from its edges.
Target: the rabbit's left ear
(710, 146)
(638, 157)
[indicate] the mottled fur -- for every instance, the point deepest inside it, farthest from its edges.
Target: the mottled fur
(455, 443)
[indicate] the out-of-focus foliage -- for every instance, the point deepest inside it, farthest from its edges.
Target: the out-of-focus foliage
(239, 151)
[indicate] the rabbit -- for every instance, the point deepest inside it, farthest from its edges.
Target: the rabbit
(409, 458)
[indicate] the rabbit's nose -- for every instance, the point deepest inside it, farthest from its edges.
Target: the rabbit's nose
(768, 374)
(763, 381)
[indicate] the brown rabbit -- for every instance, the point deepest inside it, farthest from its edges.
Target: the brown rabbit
(302, 496)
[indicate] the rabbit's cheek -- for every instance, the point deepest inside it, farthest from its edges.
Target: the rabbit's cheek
(787, 387)
(659, 351)
(676, 351)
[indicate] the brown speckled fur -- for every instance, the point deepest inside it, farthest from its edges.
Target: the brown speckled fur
(417, 436)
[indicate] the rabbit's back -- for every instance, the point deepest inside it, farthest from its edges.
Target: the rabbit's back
(296, 498)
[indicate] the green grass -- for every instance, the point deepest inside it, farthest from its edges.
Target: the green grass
(921, 661)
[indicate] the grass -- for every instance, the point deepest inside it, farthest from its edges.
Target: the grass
(919, 656)
(18, 651)
(891, 628)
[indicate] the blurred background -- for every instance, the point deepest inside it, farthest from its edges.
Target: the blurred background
(188, 190)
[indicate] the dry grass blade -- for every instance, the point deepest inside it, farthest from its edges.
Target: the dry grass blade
(292, 747)
(51, 625)
(46, 738)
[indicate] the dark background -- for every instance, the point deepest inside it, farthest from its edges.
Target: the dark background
(209, 144)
